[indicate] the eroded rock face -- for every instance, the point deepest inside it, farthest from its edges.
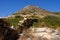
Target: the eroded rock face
(42, 34)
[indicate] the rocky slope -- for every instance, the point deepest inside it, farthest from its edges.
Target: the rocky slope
(51, 19)
(43, 33)
(30, 10)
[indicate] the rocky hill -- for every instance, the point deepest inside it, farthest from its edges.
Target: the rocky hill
(30, 10)
(43, 29)
(51, 19)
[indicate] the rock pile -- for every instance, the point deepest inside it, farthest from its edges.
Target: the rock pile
(47, 33)
(41, 34)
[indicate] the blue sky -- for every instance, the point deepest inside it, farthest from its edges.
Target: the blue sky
(7, 7)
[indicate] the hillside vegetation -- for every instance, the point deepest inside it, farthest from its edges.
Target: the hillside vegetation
(14, 21)
(51, 19)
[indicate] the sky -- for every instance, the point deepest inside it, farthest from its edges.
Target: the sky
(8, 7)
